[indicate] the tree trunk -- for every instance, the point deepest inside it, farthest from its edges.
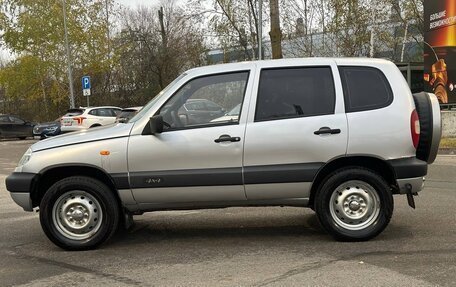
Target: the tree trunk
(275, 34)
(162, 28)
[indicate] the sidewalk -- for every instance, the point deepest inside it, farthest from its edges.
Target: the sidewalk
(447, 151)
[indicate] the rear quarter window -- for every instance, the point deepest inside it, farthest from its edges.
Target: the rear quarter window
(365, 88)
(73, 112)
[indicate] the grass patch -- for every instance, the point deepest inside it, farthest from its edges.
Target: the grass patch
(448, 143)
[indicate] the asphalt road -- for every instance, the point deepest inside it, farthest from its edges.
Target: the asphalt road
(239, 246)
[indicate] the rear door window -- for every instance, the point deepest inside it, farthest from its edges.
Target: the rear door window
(17, 120)
(365, 88)
(106, 113)
(295, 92)
(4, 119)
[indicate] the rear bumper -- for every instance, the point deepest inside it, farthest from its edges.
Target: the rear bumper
(410, 185)
(66, 129)
(409, 167)
(410, 174)
(20, 186)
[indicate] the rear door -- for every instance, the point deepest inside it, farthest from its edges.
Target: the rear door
(296, 124)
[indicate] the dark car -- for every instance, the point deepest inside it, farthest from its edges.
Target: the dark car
(126, 114)
(197, 111)
(45, 130)
(14, 127)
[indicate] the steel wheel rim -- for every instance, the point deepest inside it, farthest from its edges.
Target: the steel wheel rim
(77, 215)
(354, 205)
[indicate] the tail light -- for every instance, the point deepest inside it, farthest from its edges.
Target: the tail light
(79, 120)
(415, 128)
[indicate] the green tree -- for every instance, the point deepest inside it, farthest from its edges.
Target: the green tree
(33, 29)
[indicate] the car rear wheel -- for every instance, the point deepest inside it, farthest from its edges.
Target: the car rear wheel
(79, 213)
(354, 204)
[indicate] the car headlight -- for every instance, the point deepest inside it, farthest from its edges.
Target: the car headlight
(25, 158)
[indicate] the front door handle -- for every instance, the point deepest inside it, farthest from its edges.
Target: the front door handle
(327, 130)
(227, 138)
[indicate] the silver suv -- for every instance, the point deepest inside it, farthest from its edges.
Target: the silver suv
(340, 136)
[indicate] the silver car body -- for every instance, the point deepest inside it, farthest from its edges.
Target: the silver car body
(143, 167)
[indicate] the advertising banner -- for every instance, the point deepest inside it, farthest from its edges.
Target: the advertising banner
(440, 49)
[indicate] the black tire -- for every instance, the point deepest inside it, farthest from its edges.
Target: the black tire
(22, 138)
(104, 198)
(424, 109)
(375, 225)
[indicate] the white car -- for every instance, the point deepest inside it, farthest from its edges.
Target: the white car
(85, 118)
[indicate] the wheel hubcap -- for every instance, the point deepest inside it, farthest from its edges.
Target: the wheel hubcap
(354, 205)
(77, 215)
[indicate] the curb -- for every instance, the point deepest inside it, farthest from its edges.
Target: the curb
(447, 151)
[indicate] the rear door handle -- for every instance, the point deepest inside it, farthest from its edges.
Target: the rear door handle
(227, 138)
(327, 130)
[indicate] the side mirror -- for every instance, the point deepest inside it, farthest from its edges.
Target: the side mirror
(156, 124)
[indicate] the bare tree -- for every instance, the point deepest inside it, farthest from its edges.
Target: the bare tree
(155, 45)
(275, 33)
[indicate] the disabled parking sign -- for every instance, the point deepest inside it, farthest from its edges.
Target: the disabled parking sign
(86, 85)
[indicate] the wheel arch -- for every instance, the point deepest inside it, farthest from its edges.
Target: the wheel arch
(373, 163)
(52, 174)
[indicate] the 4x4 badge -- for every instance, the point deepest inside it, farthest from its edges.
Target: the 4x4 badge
(153, 180)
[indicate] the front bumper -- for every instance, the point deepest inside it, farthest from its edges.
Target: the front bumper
(46, 133)
(20, 185)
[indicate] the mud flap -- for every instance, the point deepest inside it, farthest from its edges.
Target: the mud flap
(411, 200)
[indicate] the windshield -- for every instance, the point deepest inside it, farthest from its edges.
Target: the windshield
(155, 99)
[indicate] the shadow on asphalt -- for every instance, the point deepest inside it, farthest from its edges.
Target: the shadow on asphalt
(148, 229)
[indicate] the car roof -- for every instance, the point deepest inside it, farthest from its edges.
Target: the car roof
(100, 107)
(288, 62)
(132, 109)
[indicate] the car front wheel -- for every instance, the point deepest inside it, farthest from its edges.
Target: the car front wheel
(354, 204)
(79, 213)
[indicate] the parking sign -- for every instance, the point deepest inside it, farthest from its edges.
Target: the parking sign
(86, 82)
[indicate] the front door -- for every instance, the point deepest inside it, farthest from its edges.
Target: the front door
(193, 161)
(19, 127)
(297, 124)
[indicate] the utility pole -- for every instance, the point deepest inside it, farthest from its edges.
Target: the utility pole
(260, 29)
(107, 28)
(67, 47)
